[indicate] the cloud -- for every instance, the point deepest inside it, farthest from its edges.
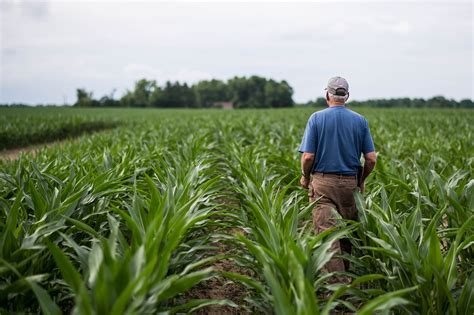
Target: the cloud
(190, 76)
(137, 71)
(50, 49)
(395, 27)
(35, 9)
(402, 27)
(7, 52)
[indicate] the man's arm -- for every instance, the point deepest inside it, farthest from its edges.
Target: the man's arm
(307, 162)
(369, 164)
(308, 147)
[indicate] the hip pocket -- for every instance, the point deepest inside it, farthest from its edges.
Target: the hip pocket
(311, 192)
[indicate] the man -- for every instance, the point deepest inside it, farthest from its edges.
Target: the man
(332, 145)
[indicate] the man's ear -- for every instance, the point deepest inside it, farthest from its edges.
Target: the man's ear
(348, 94)
(327, 96)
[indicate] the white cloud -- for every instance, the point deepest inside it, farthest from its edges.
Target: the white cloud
(402, 27)
(190, 76)
(392, 27)
(137, 71)
(106, 45)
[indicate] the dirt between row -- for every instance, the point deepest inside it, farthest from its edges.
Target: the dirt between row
(220, 288)
(14, 154)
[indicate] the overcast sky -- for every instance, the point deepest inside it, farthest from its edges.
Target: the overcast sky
(384, 49)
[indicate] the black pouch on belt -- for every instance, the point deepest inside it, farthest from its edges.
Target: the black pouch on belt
(360, 169)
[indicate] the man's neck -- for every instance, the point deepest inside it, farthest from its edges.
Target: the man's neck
(335, 104)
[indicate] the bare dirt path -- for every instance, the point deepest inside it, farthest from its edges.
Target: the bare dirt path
(219, 287)
(222, 288)
(14, 154)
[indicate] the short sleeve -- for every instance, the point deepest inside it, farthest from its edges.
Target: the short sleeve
(309, 142)
(367, 142)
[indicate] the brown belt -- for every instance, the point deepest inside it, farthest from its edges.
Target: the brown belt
(334, 175)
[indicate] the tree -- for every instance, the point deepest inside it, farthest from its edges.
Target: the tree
(187, 96)
(157, 97)
(258, 92)
(140, 96)
(127, 99)
(252, 92)
(279, 95)
(108, 100)
(84, 98)
(466, 103)
(209, 92)
(239, 92)
(142, 92)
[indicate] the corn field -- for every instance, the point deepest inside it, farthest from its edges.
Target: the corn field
(25, 126)
(140, 219)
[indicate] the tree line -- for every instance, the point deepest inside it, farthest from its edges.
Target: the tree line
(434, 102)
(242, 92)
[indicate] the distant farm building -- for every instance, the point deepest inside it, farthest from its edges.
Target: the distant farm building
(224, 105)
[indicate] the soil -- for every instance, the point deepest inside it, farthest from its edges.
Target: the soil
(221, 288)
(14, 154)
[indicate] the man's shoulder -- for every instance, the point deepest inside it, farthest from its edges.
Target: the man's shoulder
(313, 119)
(354, 113)
(327, 111)
(357, 115)
(314, 115)
(319, 113)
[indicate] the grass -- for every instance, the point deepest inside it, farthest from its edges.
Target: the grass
(123, 221)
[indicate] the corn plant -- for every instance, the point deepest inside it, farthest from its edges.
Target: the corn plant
(111, 238)
(424, 243)
(126, 220)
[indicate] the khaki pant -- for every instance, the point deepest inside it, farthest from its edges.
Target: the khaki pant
(336, 192)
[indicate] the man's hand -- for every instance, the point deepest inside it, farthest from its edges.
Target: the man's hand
(362, 187)
(307, 161)
(304, 181)
(370, 161)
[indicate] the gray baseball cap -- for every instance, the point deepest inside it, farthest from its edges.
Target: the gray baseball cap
(335, 85)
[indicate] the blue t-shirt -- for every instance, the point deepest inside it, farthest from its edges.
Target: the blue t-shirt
(338, 136)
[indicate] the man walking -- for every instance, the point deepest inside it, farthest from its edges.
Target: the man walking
(332, 145)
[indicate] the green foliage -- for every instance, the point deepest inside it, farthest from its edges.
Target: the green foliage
(258, 92)
(25, 126)
(174, 95)
(84, 98)
(434, 102)
(252, 92)
(210, 92)
(123, 221)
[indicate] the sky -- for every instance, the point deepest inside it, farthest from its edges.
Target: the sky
(385, 49)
